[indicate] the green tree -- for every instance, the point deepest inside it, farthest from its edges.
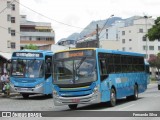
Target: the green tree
(31, 46)
(154, 32)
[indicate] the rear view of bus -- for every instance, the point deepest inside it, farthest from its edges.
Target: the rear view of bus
(30, 72)
(92, 75)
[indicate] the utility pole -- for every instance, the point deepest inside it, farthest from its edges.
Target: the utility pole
(97, 36)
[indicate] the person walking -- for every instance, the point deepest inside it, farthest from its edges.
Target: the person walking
(4, 79)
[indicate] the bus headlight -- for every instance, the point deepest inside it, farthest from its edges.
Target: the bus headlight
(55, 93)
(96, 89)
(39, 85)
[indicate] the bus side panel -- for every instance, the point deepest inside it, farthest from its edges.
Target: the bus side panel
(48, 86)
(124, 85)
(105, 91)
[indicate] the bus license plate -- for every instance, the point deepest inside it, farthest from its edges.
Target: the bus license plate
(24, 89)
(75, 100)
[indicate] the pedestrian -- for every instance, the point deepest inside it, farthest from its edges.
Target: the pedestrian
(4, 79)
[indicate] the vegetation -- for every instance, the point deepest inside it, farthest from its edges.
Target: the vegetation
(31, 46)
(154, 32)
(154, 61)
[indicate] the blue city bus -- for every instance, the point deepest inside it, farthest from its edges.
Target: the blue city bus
(31, 73)
(95, 75)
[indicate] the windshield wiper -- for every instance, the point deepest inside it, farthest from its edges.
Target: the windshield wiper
(80, 63)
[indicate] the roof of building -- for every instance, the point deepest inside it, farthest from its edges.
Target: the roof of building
(6, 56)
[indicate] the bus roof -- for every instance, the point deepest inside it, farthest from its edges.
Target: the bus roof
(105, 51)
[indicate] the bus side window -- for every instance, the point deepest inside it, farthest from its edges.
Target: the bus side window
(48, 67)
(103, 69)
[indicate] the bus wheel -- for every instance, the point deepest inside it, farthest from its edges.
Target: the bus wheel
(25, 96)
(135, 96)
(73, 106)
(112, 102)
(158, 87)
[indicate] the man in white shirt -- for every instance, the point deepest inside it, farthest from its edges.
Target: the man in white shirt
(4, 79)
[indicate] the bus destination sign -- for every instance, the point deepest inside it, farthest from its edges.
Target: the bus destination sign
(27, 54)
(71, 54)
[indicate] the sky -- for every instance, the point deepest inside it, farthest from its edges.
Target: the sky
(70, 16)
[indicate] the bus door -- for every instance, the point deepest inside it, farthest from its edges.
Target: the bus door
(104, 82)
(48, 75)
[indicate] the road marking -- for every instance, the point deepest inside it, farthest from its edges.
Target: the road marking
(126, 107)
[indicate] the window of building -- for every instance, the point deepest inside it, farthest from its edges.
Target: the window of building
(151, 47)
(145, 47)
(158, 47)
(140, 30)
(8, 17)
(13, 32)
(130, 39)
(106, 35)
(144, 38)
(123, 40)
(123, 32)
(8, 44)
(8, 4)
(13, 7)
(130, 48)
(123, 49)
(12, 19)
(9, 30)
(13, 45)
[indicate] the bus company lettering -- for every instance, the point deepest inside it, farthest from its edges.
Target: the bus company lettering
(27, 55)
(76, 54)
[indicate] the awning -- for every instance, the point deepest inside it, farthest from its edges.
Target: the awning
(6, 56)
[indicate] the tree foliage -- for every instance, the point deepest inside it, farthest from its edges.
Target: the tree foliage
(31, 46)
(154, 32)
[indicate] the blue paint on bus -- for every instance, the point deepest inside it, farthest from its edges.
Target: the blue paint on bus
(30, 72)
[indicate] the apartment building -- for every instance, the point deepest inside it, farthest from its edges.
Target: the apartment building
(131, 37)
(40, 34)
(9, 26)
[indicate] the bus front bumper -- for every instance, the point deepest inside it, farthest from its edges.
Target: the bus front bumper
(89, 99)
(34, 90)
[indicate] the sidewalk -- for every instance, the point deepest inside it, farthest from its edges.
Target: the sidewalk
(11, 94)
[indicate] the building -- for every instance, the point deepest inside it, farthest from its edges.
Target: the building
(9, 26)
(131, 37)
(40, 34)
(9, 31)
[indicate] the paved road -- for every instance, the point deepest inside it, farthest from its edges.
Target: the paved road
(148, 101)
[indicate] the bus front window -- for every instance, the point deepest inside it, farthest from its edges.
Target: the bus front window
(80, 70)
(27, 68)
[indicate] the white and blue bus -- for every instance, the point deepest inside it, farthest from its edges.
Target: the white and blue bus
(31, 72)
(94, 75)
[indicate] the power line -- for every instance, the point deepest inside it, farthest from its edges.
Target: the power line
(48, 17)
(105, 24)
(6, 7)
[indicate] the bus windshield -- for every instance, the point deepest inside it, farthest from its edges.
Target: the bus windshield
(75, 70)
(27, 68)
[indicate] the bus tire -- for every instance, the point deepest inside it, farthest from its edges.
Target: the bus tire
(158, 87)
(135, 95)
(112, 101)
(25, 96)
(73, 106)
